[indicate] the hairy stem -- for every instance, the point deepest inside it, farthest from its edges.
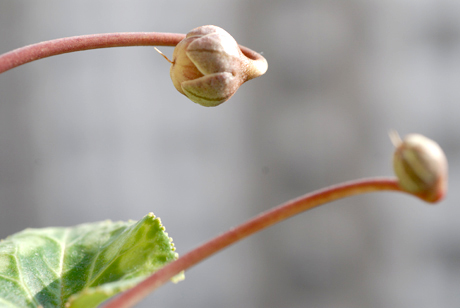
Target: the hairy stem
(260, 222)
(55, 47)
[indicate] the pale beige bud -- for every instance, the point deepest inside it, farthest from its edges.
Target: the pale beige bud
(208, 66)
(421, 167)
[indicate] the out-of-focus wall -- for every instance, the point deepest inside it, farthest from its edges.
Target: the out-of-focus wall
(103, 134)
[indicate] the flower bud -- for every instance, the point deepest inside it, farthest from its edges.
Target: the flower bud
(208, 66)
(421, 167)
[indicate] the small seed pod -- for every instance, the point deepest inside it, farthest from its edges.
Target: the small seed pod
(208, 66)
(421, 167)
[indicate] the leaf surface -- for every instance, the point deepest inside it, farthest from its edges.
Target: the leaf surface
(81, 266)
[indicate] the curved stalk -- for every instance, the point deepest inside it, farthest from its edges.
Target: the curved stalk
(55, 47)
(258, 223)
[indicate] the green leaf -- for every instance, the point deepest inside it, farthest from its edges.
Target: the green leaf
(82, 266)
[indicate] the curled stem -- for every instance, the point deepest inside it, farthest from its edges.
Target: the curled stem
(258, 223)
(55, 47)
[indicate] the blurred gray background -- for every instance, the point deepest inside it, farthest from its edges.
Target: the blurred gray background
(103, 134)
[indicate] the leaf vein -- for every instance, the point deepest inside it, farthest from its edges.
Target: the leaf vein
(21, 277)
(61, 264)
(107, 265)
(92, 266)
(9, 278)
(51, 268)
(48, 238)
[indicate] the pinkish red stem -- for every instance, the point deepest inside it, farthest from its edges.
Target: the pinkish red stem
(45, 49)
(55, 47)
(262, 221)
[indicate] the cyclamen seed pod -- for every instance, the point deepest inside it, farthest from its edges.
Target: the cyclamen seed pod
(421, 167)
(208, 66)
